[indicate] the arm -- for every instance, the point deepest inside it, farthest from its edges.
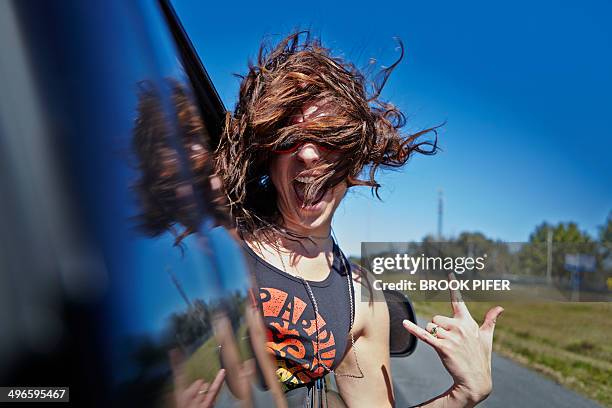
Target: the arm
(371, 332)
(463, 347)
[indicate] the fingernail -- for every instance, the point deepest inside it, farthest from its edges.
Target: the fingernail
(406, 322)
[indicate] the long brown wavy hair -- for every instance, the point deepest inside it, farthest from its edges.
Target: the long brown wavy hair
(299, 71)
(174, 163)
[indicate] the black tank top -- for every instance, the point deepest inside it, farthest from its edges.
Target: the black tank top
(289, 317)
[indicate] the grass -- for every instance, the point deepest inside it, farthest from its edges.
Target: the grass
(205, 362)
(570, 343)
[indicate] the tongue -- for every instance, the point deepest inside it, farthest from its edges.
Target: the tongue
(299, 191)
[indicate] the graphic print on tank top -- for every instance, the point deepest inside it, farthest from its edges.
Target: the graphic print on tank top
(289, 317)
(293, 338)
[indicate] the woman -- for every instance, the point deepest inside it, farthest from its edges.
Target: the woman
(305, 128)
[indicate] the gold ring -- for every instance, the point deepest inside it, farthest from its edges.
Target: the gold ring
(434, 331)
(201, 392)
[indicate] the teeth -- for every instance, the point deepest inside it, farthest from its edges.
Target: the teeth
(305, 179)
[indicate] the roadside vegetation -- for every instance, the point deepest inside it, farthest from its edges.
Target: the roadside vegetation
(567, 341)
(571, 343)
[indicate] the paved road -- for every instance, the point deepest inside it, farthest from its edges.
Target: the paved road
(421, 377)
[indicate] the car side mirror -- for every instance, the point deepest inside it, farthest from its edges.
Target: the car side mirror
(401, 342)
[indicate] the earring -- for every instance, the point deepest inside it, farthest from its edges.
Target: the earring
(264, 181)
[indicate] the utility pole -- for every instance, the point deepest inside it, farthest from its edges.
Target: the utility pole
(549, 237)
(177, 283)
(440, 212)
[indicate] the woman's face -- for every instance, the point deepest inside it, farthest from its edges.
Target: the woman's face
(290, 173)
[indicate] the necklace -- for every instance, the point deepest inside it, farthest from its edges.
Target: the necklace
(297, 235)
(316, 310)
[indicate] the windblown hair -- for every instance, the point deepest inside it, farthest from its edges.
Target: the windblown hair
(363, 128)
(174, 164)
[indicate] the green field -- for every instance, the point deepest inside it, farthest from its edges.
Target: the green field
(569, 342)
(205, 363)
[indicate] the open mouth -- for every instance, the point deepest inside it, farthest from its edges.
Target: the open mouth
(300, 185)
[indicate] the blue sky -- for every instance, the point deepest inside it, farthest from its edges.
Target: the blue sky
(525, 89)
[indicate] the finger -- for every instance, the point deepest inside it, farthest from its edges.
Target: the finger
(491, 318)
(214, 389)
(459, 307)
(447, 323)
(192, 390)
(439, 330)
(201, 394)
(420, 333)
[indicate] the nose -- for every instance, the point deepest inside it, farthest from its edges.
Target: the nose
(309, 154)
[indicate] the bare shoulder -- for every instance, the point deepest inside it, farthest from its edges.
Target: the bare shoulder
(371, 312)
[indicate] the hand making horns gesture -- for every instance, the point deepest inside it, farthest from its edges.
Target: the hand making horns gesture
(464, 348)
